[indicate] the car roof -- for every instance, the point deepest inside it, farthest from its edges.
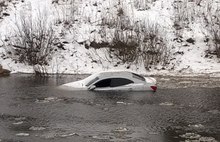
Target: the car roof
(116, 74)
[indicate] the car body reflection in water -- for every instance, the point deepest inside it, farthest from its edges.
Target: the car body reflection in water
(33, 109)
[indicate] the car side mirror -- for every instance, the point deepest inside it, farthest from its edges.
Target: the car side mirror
(92, 87)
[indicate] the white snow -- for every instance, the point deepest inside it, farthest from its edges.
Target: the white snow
(77, 59)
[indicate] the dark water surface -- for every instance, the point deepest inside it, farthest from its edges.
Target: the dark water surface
(34, 110)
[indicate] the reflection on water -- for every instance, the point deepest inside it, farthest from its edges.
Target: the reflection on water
(33, 109)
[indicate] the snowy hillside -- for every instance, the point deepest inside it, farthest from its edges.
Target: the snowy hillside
(162, 37)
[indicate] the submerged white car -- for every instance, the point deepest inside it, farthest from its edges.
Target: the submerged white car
(114, 80)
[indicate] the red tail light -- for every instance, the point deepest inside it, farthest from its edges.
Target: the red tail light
(154, 88)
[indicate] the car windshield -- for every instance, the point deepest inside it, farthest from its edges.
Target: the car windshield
(89, 80)
(137, 76)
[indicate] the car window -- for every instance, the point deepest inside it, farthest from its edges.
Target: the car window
(113, 82)
(120, 82)
(103, 83)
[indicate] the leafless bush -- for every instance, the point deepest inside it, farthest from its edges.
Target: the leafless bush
(184, 14)
(142, 4)
(181, 18)
(124, 46)
(115, 19)
(109, 20)
(68, 11)
(216, 38)
(34, 39)
(153, 45)
(143, 43)
(40, 70)
(3, 8)
(212, 20)
(133, 42)
(2, 5)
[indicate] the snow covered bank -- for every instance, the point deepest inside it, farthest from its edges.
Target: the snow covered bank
(189, 51)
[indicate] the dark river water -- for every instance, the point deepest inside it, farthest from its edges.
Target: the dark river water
(33, 109)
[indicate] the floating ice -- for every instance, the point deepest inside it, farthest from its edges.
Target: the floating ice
(197, 126)
(191, 136)
(106, 109)
(20, 118)
(33, 128)
(95, 137)
(49, 135)
(153, 133)
(47, 100)
(68, 135)
(166, 104)
(165, 79)
(22, 134)
(123, 103)
(18, 123)
(121, 129)
(207, 139)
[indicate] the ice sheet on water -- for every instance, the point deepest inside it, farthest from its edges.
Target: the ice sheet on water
(197, 126)
(68, 135)
(197, 138)
(190, 136)
(166, 104)
(121, 129)
(20, 118)
(49, 135)
(22, 134)
(123, 103)
(47, 100)
(57, 133)
(207, 139)
(18, 123)
(34, 128)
